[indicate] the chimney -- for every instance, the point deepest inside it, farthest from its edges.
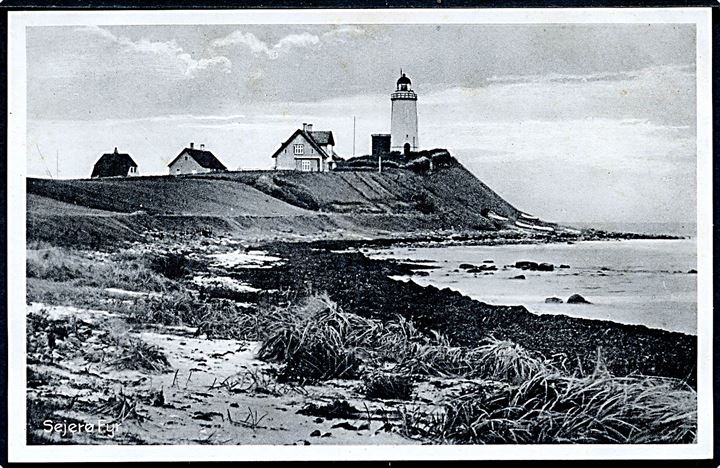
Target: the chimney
(192, 145)
(202, 146)
(307, 127)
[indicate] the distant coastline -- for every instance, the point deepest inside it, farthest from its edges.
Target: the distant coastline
(684, 229)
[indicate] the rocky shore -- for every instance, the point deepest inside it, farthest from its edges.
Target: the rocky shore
(220, 341)
(363, 286)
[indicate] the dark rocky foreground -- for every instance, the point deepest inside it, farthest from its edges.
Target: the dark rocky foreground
(362, 286)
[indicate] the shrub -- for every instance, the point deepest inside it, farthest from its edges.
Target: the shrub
(229, 320)
(434, 356)
(60, 293)
(54, 264)
(172, 265)
(401, 339)
(423, 202)
(386, 386)
(437, 360)
(132, 276)
(172, 308)
(420, 164)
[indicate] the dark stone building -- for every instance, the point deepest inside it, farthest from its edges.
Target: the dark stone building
(380, 143)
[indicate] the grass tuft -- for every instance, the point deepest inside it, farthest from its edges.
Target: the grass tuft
(139, 355)
(506, 361)
(385, 386)
(126, 270)
(317, 341)
(550, 407)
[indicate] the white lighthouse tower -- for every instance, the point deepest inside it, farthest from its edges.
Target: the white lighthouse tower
(403, 123)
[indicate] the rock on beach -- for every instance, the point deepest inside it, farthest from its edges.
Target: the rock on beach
(577, 299)
(534, 266)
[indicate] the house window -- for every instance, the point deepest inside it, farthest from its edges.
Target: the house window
(306, 166)
(299, 149)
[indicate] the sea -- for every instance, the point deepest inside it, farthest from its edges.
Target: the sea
(645, 282)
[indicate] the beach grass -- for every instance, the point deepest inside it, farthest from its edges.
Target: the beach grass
(318, 341)
(514, 396)
(551, 408)
(387, 386)
(130, 271)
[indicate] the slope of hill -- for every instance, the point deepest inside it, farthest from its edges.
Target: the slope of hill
(411, 199)
(411, 188)
(164, 195)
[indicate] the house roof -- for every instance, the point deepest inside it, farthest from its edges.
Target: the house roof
(204, 158)
(113, 165)
(310, 139)
(323, 137)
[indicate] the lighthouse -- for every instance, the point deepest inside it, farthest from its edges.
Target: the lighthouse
(403, 123)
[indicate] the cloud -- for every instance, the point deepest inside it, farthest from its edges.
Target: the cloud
(187, 65)
(645, 93)
(297, 40)
(238, 37)
(259, 47)
(341, 33)
(286, 43)
(565, 78)
(165, 119)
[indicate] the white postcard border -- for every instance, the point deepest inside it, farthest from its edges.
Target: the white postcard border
(18, 451)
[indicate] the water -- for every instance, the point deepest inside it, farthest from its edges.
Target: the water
(635, 282)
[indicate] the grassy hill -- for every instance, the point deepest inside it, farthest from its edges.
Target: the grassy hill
(164, 195)
(409, 198)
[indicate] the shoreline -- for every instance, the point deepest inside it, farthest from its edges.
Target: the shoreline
(374, 274)
(362, 285)
(183, 339)
(464, 267)
(488, 238)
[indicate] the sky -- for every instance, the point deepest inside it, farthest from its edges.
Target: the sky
(568, 122)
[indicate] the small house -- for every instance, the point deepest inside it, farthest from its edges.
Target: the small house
(195, 161)
(114, 165)
(307, 150)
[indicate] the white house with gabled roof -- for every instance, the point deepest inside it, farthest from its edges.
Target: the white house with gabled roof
(308, 151)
